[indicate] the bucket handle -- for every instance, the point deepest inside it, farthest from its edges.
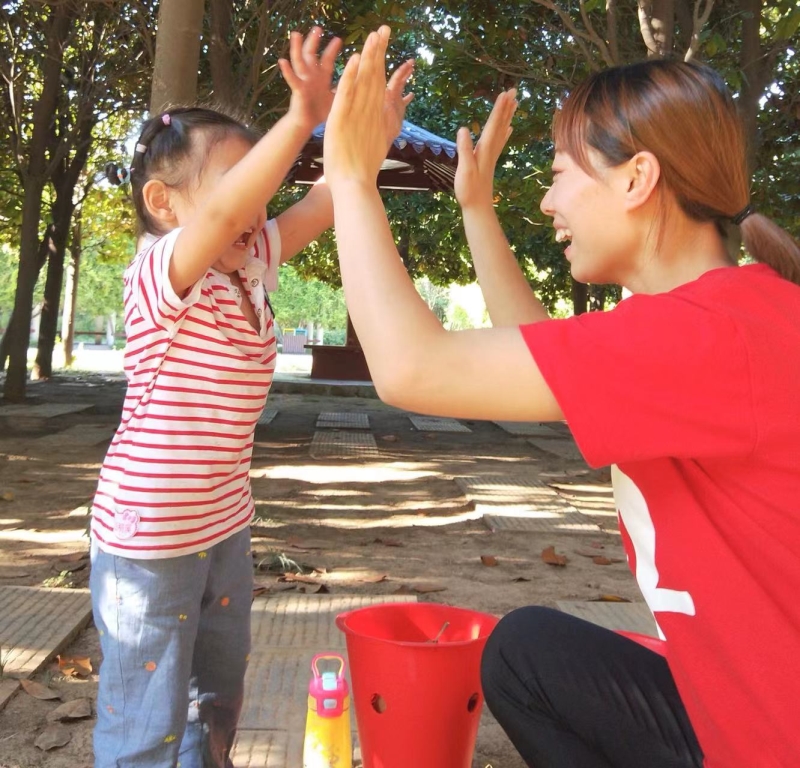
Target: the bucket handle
(332, 656)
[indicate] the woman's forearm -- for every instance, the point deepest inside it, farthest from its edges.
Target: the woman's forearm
(508, 296)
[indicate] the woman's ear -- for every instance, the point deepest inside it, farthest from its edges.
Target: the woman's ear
(157, 199)
(642, 174)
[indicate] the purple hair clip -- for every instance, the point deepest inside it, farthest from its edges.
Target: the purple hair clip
(166, 119)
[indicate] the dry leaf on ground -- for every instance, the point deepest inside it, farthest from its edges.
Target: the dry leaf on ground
(53, 736)
(8, 496)
(76, 709)
(489, 560)
(551, 558)
(39, 691)
(519, 579)
(314, 589)
(75, 665)
(301, 577)
(388, 542)
(602, 560)
(609, 599)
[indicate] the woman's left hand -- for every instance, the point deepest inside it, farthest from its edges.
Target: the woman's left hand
(395, 102)
(359, 122)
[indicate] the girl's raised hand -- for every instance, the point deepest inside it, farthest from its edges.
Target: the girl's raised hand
(357, 129)
(475, 173)
(309, 76)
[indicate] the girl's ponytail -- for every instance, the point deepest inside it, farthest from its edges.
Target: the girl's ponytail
(767, 243)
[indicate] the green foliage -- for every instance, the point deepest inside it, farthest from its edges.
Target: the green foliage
(299, 301)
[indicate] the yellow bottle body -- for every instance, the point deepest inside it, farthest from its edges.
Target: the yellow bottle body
(328, 743)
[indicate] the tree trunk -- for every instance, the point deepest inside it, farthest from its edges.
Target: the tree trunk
(755, 66)
(180, 24)
(219, 55)
(580, 297)
(48, 320)
(34, 180)
(70, 296)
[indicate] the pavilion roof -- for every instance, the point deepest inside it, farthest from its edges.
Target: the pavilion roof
(417, 160)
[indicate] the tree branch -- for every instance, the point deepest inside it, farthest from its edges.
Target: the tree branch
(699, 19)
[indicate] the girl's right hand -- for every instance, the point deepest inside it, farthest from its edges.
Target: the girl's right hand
(309, 76)
(475, 173)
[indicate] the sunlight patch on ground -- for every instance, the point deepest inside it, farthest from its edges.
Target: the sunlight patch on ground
(420, 520)
(337, 473)
(44, 537)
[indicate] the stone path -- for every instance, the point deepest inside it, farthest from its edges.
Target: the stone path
(35, 624)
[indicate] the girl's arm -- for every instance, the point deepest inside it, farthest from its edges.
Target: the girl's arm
(415, 363)
(238, 202)
(509, 298)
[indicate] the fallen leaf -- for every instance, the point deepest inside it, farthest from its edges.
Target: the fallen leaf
(53, 736)
(259, 591)
(390, 438)
(551, 558)
(602, 560)
(298, 577)
(404, 589)
(314, 589)
(69, 567)
(424, 589)
(518, 579)
(597, 545)
(489, 560)
(76, 709)
(73, 557)
(75, 665)
(39, 691)
(388, 542)
(8, 496)
(609, 599)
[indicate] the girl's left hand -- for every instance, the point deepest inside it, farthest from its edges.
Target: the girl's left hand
(309, 76)
(358, 124)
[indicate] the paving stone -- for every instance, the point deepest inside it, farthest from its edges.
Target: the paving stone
(31, 418)
(268, 749)
(332, 420)
(629, 617)
(528, 428)
(336, 444)
(80, 434)
(36, 623)
(432, 424)
(565, 449)
(518, 503)
(267, 415)
(543, 524)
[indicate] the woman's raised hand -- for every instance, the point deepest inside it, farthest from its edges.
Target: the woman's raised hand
(309, 76)
(475, 173)
(359, 124)
(395, 101)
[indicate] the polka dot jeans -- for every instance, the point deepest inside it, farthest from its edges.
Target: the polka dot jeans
(175, 636)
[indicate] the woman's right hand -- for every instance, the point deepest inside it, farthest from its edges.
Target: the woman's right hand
(474, 180)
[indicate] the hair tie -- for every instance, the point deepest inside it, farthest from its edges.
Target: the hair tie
(140, 149)
(743, 214)
(166, 119)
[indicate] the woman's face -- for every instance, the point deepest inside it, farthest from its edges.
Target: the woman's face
(589, 215)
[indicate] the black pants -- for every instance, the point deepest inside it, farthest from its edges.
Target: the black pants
(570, 694)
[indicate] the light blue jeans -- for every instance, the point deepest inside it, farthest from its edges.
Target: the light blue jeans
(175, 636)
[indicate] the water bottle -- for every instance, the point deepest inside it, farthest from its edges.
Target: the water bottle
(327, 742)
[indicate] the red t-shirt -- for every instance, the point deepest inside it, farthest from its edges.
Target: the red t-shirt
(694, 395)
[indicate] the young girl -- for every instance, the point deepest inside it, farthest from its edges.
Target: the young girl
(171, 564)
(689, 387)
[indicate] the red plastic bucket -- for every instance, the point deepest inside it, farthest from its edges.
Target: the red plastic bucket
(417, 702)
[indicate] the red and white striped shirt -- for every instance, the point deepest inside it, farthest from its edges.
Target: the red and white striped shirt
(176, 479)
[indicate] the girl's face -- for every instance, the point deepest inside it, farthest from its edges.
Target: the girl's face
(589, 215)
(222, 157)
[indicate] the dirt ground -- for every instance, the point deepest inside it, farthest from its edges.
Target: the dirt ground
(378, 527)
